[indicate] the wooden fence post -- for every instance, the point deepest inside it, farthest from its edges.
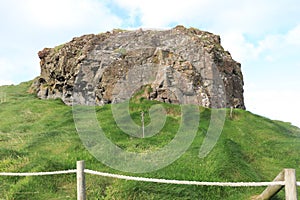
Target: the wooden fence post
(80, 180)
(271, 191)
(143, 124)
(231, 111)
(290, 184)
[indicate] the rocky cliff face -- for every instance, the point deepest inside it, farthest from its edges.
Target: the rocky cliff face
(177, 66)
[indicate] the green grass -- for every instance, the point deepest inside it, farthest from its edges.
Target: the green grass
(40, 135)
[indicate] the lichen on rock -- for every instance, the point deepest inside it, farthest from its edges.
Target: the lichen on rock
(180, 65)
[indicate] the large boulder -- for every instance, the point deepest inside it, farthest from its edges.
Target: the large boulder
(179, 66)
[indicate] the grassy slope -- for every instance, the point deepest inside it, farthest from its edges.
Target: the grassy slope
(39, 135)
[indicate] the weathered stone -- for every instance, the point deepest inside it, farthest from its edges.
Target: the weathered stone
(178, 66)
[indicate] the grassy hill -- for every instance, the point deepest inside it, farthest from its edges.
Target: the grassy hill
(40, 135)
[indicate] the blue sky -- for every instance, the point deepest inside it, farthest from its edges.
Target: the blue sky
(263, 35)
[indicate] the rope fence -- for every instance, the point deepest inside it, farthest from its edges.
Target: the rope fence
(153, 180)
(286, 179)
(71, 171)
(180, 182)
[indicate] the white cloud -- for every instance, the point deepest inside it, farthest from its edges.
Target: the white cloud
(6, 70)
(57, 14)
(18, 70)
(255, 16)
(293, 36)
(239, 47)
(271, 48)
(276, 104)
(6, 67)
(29, 26)
(66, 14)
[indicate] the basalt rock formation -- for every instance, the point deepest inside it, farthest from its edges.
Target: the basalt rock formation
(180, 65)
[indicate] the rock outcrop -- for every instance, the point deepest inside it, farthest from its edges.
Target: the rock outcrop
(177, 66)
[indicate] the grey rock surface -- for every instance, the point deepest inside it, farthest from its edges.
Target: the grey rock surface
(180, 65)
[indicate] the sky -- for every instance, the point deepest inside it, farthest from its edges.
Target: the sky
(263, 35)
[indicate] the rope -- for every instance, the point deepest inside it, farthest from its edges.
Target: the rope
(38, 173)
(154, 180)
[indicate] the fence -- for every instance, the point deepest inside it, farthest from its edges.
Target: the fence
(286, 179)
